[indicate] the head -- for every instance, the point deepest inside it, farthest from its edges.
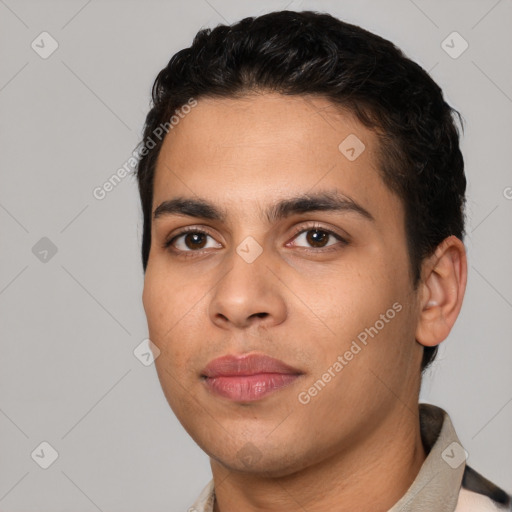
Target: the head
(266, 111)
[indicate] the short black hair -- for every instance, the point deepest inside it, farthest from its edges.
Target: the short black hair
(311, 53)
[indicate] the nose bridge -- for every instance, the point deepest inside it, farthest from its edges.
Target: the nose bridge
(248, 292)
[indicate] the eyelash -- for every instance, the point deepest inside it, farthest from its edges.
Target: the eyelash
(299, 230)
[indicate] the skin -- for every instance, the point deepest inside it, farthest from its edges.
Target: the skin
(244, 155)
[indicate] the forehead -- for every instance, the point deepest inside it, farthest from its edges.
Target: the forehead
(264, 147)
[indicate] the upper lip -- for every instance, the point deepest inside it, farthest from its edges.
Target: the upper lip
(243, 365)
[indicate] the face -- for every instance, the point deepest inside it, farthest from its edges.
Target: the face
(321, 285)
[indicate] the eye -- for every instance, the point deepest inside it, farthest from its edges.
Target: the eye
(316, 237)
(190, 240)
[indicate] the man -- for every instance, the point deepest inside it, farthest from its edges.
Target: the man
(303, 197)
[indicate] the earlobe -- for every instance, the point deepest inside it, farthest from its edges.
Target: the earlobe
(443, 286)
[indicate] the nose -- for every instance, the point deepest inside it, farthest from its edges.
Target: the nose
(248, 294)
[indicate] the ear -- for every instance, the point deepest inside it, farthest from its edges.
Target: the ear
(443, 284)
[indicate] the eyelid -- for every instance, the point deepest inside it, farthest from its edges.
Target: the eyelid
(320, 227)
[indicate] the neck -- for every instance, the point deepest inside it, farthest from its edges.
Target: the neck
(371, 476)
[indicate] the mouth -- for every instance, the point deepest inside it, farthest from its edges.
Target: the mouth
(247, 378)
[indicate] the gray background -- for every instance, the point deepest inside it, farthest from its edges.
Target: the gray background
(70, 323)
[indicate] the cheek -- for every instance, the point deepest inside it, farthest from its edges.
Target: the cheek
(174, 309)
(166, 304)
(162, 300)
(367, 305)
(165, 298)
(357, 295)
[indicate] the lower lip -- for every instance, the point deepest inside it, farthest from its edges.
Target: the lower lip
(248, 388)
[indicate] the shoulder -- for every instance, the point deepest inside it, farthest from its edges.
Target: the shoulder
(477, 494)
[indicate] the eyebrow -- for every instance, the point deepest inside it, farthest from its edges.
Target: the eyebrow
(321, 201)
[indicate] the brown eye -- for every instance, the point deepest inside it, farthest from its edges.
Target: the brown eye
(195, 240)
(317, 238)
(192, 240)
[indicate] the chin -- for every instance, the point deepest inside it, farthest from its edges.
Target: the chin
(259, 459)
(267, 468)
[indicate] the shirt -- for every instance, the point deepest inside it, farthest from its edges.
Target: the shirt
(445, 483)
